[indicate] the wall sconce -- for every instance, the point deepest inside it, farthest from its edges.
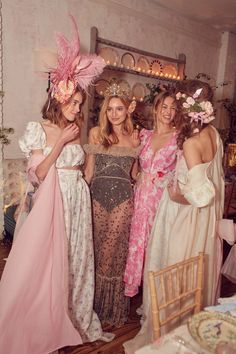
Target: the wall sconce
(44, 59)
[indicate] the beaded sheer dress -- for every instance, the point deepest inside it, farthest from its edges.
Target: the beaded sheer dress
(112, 201)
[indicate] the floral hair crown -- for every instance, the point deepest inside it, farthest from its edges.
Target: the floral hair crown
(73, 69)
(115, 90)
(197, 111)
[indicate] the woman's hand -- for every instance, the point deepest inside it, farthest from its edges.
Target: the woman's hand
(71, 132)
(135, 138)
(175, 194)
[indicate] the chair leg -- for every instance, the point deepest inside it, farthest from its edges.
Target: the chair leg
(155, 310)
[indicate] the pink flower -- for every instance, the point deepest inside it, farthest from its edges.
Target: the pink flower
(65, 90)
(160, 174)
(190, 101)
(186, 105)
(178, 95)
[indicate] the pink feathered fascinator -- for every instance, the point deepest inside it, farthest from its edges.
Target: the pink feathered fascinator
(73, 69)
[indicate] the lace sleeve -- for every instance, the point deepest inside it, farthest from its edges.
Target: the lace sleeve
(33, 138)
(199, 190)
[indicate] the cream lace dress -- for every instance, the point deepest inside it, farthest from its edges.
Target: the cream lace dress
(77, 211)
(182, 231)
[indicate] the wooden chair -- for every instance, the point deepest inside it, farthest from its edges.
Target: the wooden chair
(176, 291)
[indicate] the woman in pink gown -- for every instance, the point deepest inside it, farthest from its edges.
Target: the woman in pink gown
(157, 161)
(47, 287)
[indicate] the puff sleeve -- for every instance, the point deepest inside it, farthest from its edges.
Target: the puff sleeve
(144, 136)
(33, 138)
(199, 190)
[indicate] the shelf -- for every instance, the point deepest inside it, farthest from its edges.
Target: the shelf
(140, 73)
(97, 43)
(135, 74)
(180, 60)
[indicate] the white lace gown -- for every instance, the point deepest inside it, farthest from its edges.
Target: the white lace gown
(77, 211)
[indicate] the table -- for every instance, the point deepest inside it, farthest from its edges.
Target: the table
(177, 341)
(180, 341)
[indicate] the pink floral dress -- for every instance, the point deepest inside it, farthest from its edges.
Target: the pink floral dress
(157, 170)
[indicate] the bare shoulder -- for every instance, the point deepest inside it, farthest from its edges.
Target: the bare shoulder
(192, 143)
(94, 135)
(192, 151)
(47, 124)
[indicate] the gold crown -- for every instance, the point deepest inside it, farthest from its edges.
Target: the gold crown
(115, 90)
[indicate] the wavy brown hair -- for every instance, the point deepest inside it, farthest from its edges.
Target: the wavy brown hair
(107, 136)
(158, 102)
(185, 128)
(52, 109)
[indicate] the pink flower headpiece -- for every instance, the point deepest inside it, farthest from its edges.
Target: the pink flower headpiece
(198, 111)
(74, 69)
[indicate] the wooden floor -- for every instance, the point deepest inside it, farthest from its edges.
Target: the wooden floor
(124, 333)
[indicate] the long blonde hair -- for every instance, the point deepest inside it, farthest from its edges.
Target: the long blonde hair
(107, 135)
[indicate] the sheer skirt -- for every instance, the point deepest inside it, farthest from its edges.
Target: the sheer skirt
(111, 235)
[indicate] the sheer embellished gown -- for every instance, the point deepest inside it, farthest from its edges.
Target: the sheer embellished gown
(112, 201)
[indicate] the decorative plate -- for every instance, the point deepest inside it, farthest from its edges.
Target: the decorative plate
(128, 60)
(170, 70)
(210, 328)
(143, 64)
(156, 66)
(101, 86)
(138, 92)
(125, 86)
(110, 55)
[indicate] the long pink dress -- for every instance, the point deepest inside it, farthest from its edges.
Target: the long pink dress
(47, 287)
(157, 170)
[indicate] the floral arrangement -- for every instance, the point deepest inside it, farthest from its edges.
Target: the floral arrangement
(197, 111)
(64, 91)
